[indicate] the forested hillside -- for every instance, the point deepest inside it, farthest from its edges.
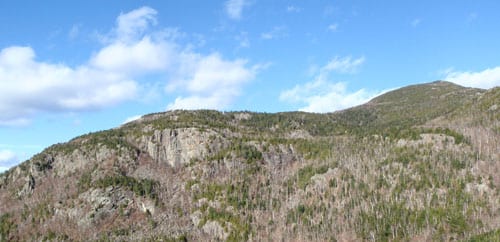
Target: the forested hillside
(419, 163)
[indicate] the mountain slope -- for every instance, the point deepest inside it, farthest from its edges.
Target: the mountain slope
(420, 162)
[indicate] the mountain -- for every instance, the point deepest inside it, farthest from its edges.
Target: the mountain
(418, 163)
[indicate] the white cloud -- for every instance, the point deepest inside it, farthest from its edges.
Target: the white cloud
(344, 65)
(145, 55)
(275, 33)
(234, 8)
(483, 79)
(212, 101)
(7, 156)
(211, 81)
(14, 122)
(7, 160)
(111, 75)
(293, 9)
(28, 86)
(212, 72)
(134, 23)
(29, 146)
(266, 35)
(321, 95)
(74, 31)
(333, 27)
(133, 118)
(131, 46)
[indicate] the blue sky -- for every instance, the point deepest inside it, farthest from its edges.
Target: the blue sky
(68, 68)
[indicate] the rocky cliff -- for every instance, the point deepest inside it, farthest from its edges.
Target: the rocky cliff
(418, 163)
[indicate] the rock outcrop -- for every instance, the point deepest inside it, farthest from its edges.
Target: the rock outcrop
(419, 163)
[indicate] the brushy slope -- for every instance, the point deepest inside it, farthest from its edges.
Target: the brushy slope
(417, 163)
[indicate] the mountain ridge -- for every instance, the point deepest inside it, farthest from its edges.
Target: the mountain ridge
(209, 175)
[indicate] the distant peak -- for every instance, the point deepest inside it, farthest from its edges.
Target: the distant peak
(420, 93)
(441, 83)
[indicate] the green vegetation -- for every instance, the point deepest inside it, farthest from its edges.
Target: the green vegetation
(41, 212)
(313, 150)
(7, 226)
(302, 214)
(188, 119)
(235, 195)
(389, 221)
(141, 187)
(52, 236)
(486, 237)
(458, 137)
(413, 164)
(166, 238)
(304, 175)
(238, 149)
(240, 230)
(404, 155)
(44, 163)
(85, 181)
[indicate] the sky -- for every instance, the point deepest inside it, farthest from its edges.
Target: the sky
(68, 68)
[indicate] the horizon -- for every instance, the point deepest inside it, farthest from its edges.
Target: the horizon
(72, 68)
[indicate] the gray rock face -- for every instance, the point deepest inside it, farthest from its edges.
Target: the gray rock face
(209, 176)
(77, 160)
(176, 146)
(103, 202)
(215, 230)
(28, 187)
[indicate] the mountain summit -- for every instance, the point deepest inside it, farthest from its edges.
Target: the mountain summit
(418, 163)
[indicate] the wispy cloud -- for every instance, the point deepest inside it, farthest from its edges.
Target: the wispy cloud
(293, 9)
(343, 64)
(415, 22)
(29, 146)
(323, 95)
(7, 159)
(133, 118)
(333, 27)
(74, 31)
(133, 24)
(276, 33)
(482, 79)
(234, 8)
